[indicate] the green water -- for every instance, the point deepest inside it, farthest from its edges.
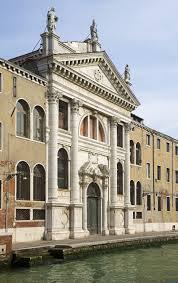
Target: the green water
(141, 265)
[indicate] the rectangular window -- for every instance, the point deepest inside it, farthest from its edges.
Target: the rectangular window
(168, 203)
(14, 88)
(0, 194)
(158, 172)
(176, 204)
(38, 214)
(159, 203)
(148, 202)
(1, 82)
(158, 144)
(176, 172)
(167, 146)
(148, 139)
(148, 170)
(176, 150)
(1, 136)
(139, 215)
(167, 174)
(22, 214)
(63, 115)
(119, 136)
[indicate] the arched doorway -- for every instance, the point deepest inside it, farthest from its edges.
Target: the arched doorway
(93, 209)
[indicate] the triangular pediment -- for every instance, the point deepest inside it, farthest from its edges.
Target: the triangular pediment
(98, 69)
(95, 73)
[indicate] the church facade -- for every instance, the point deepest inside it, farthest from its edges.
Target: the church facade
(93, 151)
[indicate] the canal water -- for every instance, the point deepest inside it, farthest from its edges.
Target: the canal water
(141, 265)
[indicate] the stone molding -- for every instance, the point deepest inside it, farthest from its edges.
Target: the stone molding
(15, 69)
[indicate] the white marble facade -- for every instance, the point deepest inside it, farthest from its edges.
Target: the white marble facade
(82, 75)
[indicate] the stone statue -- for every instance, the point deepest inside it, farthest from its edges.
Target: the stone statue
(51, 20)
(93, 31)
(127, 74)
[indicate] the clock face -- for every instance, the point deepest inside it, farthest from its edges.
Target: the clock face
(97, 75)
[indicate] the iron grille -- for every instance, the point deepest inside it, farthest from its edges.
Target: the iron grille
(22, 214)
(38, 214)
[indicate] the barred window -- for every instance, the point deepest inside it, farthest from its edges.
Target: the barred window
(22, 214)
(139, 215)
(148, 202)
(23, 181)
(23, 119)
(38, 214)
(39, 183)
(39, 124)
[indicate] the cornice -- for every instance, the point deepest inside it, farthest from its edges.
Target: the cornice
(106, 65)
(16, 70)
(88, 84)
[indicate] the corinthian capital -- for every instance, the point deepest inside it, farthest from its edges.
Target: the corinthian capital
(114, 121)
(53, 95)
(75, 105)
(128, 127)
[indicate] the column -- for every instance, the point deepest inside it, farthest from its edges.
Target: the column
(74, 153)
(53, 97)
(113, 162)
(105, 207)
(53, 207)
(128, 217)
(76, 230)
(116, 211)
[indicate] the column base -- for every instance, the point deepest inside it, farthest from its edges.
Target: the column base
(105, 232)
(128, 217)
(76, 230)
(57, 221)
(116, 220)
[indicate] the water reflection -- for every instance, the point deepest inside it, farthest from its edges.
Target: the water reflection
(142, 265)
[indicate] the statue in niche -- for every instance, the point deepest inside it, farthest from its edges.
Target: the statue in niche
(93, 31)
(51, 20)
(127, 74)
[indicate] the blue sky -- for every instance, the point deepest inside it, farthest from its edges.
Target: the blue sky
(141, 33)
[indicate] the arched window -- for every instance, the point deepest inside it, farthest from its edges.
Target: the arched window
(23, 119)
(132, 152)
(39, 183)
(119, 179)
(91, 127)
(138, 153)
(132, 192)
(139, 194)
(62, 169)
(39, 124)
(23, 181)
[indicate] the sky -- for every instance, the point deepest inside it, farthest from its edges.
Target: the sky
(141, 33)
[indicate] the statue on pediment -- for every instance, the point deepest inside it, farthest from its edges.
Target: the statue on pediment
(127, 74)
(51, 20)
(94, 32)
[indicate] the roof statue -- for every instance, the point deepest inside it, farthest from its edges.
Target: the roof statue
(93, 31)
(127, 75)
(51, 20)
